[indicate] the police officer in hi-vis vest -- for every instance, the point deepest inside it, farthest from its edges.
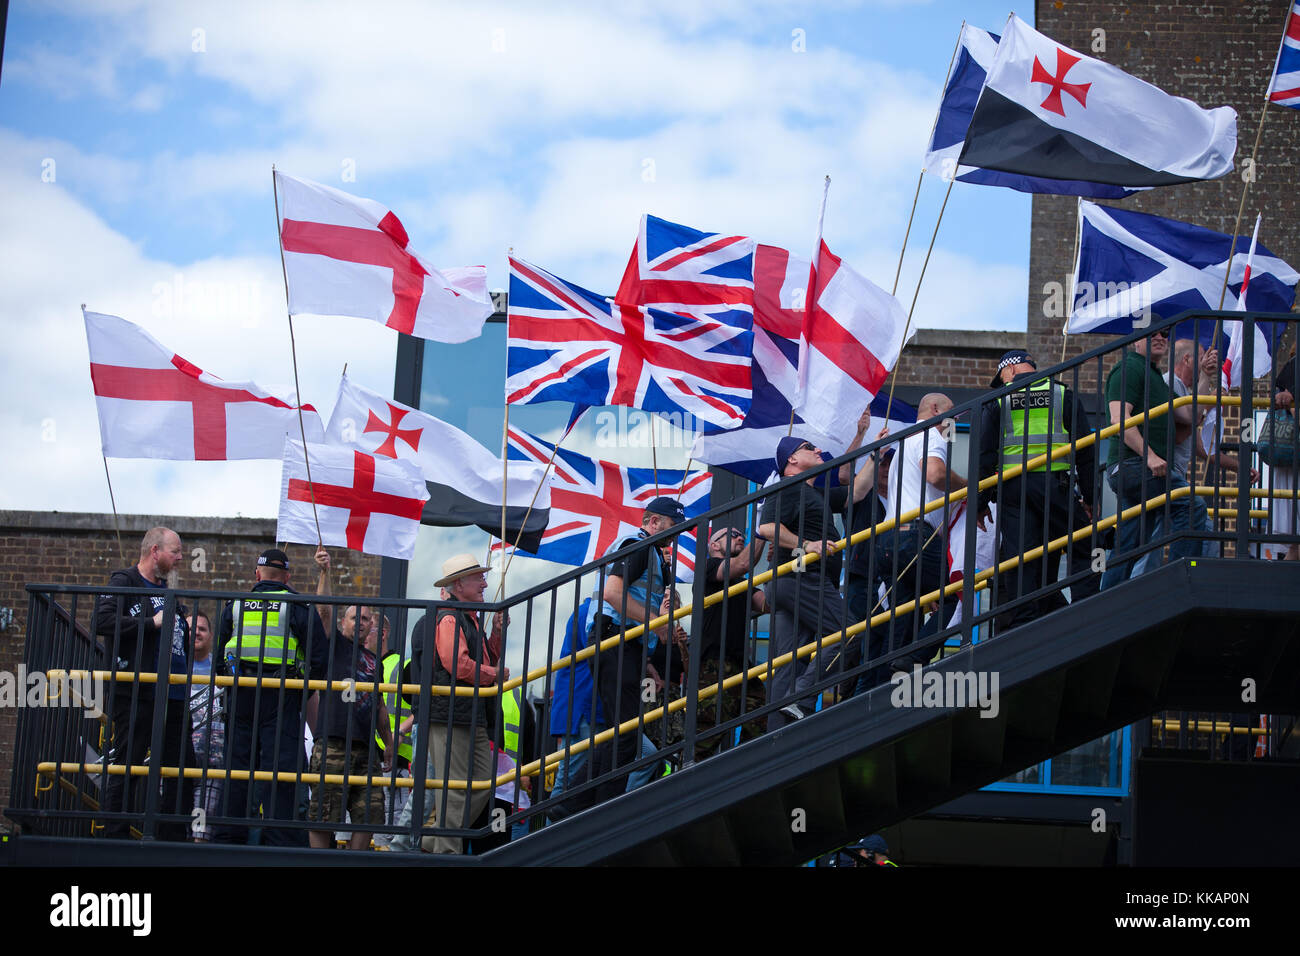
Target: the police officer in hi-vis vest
(268, 638)
(1049, 500)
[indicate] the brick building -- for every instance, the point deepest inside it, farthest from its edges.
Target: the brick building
(1215, 54)
(80, 548)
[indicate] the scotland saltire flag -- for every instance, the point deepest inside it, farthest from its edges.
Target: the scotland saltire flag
(1284, 88)
(596, 504)
(975, 52)
(680, 269)
(567, 344)
(1132, 265)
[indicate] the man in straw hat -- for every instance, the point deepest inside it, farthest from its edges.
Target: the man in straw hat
(458, 651)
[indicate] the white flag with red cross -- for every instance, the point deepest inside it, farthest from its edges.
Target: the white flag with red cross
(365, 503)
(850, 343)
(154, 404)
(344, 255)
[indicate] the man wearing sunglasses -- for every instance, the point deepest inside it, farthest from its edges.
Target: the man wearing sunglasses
(806, 604)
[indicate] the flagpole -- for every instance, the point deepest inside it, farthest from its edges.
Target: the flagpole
(893, 379)
(111, 499)
(293, 347)
(120, 553)
(947, 76)
(505, 447)
(540, 485)
(654, 457)
(1241, 208)
(809, 301)
(685, 475)
(1073, 276)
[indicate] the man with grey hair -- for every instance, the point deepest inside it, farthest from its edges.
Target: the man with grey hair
(132, 631)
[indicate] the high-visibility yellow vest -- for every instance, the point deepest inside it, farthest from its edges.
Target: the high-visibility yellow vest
(262, 631)
(1032, 425)
(398, 708)
(510, 715)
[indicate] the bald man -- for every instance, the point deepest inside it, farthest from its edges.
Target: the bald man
(131, 628)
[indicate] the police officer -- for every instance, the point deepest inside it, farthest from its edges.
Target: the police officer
(264, 637)
(1049, 500)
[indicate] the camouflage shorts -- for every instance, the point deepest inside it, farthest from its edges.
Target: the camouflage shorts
(748, 695)
(364, 804)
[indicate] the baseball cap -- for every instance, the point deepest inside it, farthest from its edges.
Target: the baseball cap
(273, 558)
(668, 507)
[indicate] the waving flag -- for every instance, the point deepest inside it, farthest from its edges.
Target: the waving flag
(1263, 362)
(364, 502)
(344, 255)
(1284, 87)
(597, 504)
(680, 269)
(463, 478)
(1133, 265)
(1048, 111)
(853, 336)
(571, 345)
(975, 51)
(780, 284)
(154, 404)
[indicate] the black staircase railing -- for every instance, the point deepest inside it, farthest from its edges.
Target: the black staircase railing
(639, 685)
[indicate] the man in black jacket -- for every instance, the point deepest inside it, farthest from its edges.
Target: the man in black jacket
(1046, 502)
(132, 632)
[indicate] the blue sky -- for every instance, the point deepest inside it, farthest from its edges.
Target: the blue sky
(483, 127)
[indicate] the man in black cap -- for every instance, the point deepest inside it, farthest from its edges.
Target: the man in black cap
(266, 638)
(806, 605)
(637, 589)
(1047, 501)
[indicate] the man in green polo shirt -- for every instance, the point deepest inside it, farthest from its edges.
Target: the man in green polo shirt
(1137, 468)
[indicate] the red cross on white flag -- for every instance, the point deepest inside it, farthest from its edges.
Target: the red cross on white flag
(365, 503)
(154, 404)
(344, 255)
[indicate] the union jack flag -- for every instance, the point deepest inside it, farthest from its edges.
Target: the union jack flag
(596, 505)
(1284, 87)
(568, 344)
(679, 269)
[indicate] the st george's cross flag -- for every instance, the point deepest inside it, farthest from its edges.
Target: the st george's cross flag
(1135, 266)
(1262, 363)
(780, 286)
(1046, 110)
(344, 255)
(852, 336)
(463, 479)
(1284, 87)
(975, 51)
(571, 345)
(154, 404)
(596, 504)
(364, 502)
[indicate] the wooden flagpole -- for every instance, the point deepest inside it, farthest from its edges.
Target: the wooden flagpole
(293, 346)
(505, 473)
(893, 379)
(654, 456)
(1245, 185)
(917, 195)
(1074, 274)
(507, 558)
(685, 475)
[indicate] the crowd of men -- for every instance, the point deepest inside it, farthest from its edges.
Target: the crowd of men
(867, 610)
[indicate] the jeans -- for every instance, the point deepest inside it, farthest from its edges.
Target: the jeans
(1133, 483)
(918, 557)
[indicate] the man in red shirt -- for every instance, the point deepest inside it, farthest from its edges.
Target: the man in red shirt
(459, 652)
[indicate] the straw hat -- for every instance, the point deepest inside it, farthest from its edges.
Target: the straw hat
(457, 567)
